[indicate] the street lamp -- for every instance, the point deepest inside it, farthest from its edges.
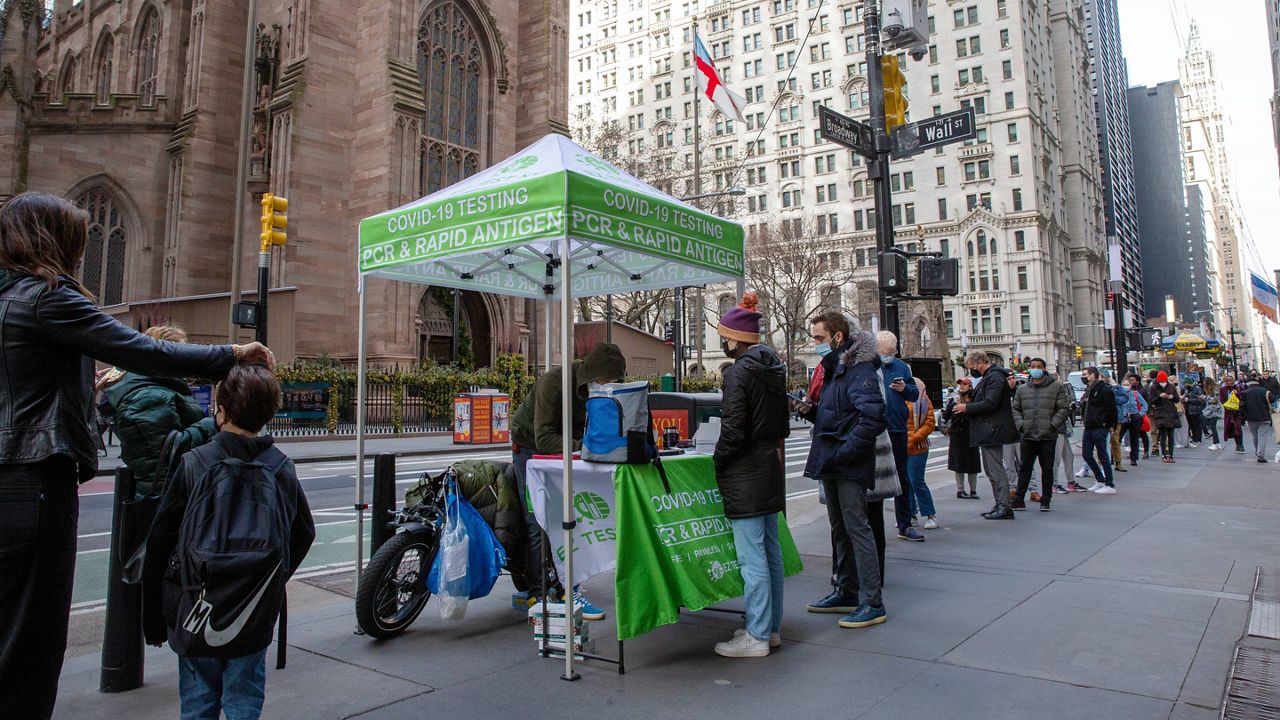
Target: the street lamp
(735, 190)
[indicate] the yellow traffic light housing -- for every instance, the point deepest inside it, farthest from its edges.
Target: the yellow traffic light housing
(275, 220)
(895, 92)
(1079, 352)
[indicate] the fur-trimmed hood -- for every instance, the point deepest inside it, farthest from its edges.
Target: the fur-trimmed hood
(861, 348)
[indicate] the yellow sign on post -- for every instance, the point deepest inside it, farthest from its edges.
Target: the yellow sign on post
(895, 92)
(275, 220)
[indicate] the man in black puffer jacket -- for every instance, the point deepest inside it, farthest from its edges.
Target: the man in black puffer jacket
(991, 426)
(751, 475)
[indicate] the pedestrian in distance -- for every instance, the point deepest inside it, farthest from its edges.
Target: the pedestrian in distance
(536, 430)
(1163, 399)
(962, 458)
(1232, 426)
(218, 674)
(991, 426)
(147, 408)
(1063, 450)
(897, 384)
(751, 473)
(1255, 411)
(1099, 419)
(1193, 402)
(52, 332)
(920, 425)
(1212, 413)
(1040, 410)
(850, 416)
(1118, 432)
(1132, 413)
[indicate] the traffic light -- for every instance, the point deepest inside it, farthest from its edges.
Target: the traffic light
(895, 92)
(274, 221)
(1079, 352)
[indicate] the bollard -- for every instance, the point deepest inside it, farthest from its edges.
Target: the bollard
(384, 499)
(122, 645)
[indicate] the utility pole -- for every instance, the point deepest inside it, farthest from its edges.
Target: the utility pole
(242, 167)
(879, 166)
(1235, 364)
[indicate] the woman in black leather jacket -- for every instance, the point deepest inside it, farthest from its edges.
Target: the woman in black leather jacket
(52, 332)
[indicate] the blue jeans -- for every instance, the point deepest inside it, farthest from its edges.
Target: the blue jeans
(1099, 440)
(760, 562)
(921, 498)
(236, 687)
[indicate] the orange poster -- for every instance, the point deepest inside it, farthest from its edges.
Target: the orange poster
(481, 419)
(678, 419)
(461, 420)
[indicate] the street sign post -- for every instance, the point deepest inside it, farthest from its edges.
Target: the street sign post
(844, 130)
(914, 138)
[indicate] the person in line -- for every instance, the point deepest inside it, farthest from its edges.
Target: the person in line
(1163, 399)
(1121, 393)
(1099, 418)
(991, 426)
(1132, 414)
(1040, 410)
(1231, 393)
(1212, 413)
(1063, 450)
(147, 408)
(536, 430)
(1153, 433)
(850, 415)
(962, 458)
(1255, 411)
(897, 384)
(751, 473)
(52, 332)
(1193, 404)
(218, 681)
(920, 425)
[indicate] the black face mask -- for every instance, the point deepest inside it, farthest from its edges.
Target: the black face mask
(724, 347)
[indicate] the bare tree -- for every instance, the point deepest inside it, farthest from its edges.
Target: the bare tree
(796, 270)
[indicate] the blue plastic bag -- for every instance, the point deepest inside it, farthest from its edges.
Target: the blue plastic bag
(485, 557)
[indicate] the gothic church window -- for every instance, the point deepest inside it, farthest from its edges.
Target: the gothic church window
(148, 56)
(453, 69)
(102, 270)
(102, 67)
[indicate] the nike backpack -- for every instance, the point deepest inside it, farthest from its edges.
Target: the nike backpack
(232, 558)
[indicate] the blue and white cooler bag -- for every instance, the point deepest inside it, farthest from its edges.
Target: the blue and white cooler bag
(619, 428)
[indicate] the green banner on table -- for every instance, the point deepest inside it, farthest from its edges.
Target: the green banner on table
(676, 549)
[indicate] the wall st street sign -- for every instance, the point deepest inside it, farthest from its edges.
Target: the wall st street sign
(915, 137)
(846, 131)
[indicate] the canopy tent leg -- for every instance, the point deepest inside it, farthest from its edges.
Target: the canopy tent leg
(361, 371)
(549, 342)
(566, 433)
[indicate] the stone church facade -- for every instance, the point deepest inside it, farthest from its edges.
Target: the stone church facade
(132, 108)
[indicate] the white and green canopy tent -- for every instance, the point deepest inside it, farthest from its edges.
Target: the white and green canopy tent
(552, 216)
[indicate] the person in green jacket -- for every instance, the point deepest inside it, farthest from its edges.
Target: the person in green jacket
(536, 430)
(147, 409)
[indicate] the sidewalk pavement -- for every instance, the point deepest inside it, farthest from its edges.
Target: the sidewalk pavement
(1123, 606)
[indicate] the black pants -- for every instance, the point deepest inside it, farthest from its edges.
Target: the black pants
(1136, 436)
(875, 518)
(534, 573)
(1195, 431)
(858, 570)
(1166, 442)
(902, 504)
(1210, 426)
(39, 514)
(1044, 452)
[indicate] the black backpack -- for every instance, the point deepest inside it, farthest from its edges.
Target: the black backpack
(227, 575)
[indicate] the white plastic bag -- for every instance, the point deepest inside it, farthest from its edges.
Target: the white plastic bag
(454, 550)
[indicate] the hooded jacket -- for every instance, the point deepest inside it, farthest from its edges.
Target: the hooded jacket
(896, 411)
(1100, 410)
(537, 422)
(918, 436)
(991, 412)
(755, 419)
(146, 409)
(850, 416)
(1255, 405)
(51, 338)
(1163, 411)
(1040, 410)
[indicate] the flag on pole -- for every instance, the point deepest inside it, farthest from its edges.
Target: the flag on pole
(1264, 298)
(729, 102)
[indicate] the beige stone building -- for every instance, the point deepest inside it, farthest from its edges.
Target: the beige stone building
(132, 109)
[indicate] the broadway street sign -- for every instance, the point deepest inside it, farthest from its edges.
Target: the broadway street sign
(916, 137)
(846, 131)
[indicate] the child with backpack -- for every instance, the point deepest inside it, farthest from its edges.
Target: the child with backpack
(231, 529)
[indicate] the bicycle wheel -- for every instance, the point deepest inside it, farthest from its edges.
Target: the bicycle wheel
(393, 588)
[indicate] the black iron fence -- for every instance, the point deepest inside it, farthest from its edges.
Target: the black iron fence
(390, 409)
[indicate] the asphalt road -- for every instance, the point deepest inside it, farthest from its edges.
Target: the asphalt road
(330, 489)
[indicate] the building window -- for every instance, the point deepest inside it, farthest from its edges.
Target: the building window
(949, 320)
(102, 67)
(1004, 39)
(942, 175)
(451, 66)
(942, 210)
(1015, 165)
(1024, 313)
(944, 246)
(1008, 100)
(1019, 240)
(1022, 277)
(149, 56)
(67, 79)
(1012, 129)
(102, 270)
(1006, 69)
(1017, 199)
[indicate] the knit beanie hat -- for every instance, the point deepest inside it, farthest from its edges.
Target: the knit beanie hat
(1162, 377)
(741, 323)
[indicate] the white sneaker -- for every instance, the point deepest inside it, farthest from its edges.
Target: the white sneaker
(1180, 446)
(1095, 487)
(1106, 490)
(743, 646)
(930, 524)
(775, 639)
(1214, 447)
(1193, 445)
(1080, 472)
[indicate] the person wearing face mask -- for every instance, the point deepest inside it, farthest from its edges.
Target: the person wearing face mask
(751, 473)
(1131, 414)
(1163, 399)
(1099, 419)
(1040, 409)
(991, 426)
(899, 389)
(962, 459)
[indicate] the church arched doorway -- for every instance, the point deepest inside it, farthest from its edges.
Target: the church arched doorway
(435, 328)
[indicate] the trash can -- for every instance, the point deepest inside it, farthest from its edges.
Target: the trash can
(481, 418)
(668, 383)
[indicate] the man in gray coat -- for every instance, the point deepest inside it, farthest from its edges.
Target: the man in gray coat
(1040, 410)
(991, 426)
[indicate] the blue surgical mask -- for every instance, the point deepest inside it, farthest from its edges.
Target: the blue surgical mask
(823, 349)
(886, 359)
(1035, 373)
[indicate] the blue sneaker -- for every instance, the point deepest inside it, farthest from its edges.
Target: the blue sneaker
(910, 533)
(864, 616)
(589, 611)
(833, 603)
